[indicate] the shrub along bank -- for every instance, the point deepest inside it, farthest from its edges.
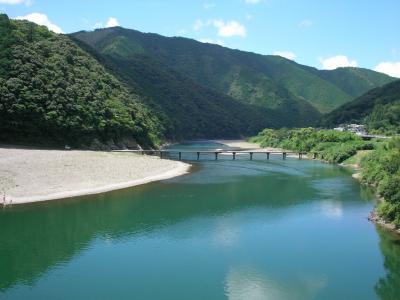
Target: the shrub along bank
(381, 169)
(329, 145)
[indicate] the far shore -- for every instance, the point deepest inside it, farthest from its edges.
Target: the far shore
(28, 175)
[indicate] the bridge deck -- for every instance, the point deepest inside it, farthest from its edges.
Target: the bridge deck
(198, 152)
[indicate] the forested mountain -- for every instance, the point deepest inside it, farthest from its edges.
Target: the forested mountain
(261, 80)
(379, 109)
(116, 87)
(54, 93)
(190, 110)
(55, 90)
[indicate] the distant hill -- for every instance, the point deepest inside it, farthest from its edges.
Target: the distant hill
(354, 81)
(261, 80)
(191, 110)
(379, 109)
(54, 93)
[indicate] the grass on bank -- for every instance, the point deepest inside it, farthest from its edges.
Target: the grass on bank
(329, 145)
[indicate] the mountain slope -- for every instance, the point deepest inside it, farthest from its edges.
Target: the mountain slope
(379, 109)
(354, 81)
(191, 110)
(52, 92)
(188, 110)
(248, 77)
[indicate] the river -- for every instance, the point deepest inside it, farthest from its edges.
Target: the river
(261, 229)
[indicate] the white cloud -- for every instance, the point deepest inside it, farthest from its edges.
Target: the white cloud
(41, 19)
(211, 41)
(306, 23)
(225, 29)
(337, 62)
(252, 1)
(286, 54)
(230, 28)
(14, 2)
(112, 22)
(389, 68)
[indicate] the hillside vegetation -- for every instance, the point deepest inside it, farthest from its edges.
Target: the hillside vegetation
(53, 92)
(329, 145)
(116, 87)
(261, 80)
(181, 97)
(189, 110)
(379, 109)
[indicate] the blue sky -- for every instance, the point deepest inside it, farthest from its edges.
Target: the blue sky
(323, 34)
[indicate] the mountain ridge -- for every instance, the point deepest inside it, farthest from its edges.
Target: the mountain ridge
(227, 70)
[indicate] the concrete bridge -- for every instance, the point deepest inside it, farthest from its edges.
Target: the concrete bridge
(214, 153)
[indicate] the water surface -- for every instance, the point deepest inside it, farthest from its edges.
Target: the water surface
(277, 229)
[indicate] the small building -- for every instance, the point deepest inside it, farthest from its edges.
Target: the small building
(355, 128)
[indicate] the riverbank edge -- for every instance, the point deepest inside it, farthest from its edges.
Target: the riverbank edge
(179, 170)
(357, 175)
(373, 216)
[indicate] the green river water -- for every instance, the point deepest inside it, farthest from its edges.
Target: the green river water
(277, 229)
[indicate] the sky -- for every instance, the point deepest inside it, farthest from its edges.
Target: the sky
(325, 34)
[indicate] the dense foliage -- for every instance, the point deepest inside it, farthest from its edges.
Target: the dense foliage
(329, 145)
(381, 169)
(53, 92)
(261, 80)
(115, 87)
(379, 109)
(187, 109)
(193, 109)
(385, 118)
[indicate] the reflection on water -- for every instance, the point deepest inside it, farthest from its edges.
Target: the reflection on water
(248, 283)
(239, 230)
(388, 286)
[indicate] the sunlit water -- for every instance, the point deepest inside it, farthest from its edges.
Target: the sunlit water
(277, 229)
